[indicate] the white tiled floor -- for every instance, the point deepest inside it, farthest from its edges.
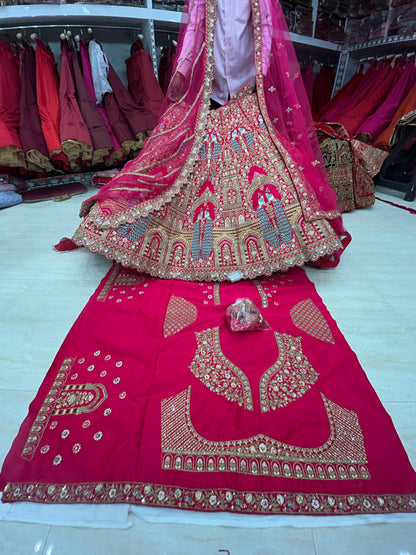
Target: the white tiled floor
(372, 296)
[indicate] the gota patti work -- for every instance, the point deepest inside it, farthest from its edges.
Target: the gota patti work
(232, 193)
(153, 400)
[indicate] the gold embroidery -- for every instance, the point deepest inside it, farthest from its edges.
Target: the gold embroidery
(79, 399)
(307, 317)
(120, 277)
(217, 299)
(180, 313)
(262, 293)
(342, 456)
(217, 373)
(45, 412)
(210, 499)
(289, 378)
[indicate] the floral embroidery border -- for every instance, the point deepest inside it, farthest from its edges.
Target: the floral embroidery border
(210, 499)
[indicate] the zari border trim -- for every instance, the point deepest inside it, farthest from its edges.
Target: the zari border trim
(152, 205)
(210, 499)
(83, 238)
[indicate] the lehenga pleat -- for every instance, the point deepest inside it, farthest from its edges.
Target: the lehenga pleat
(242, 217)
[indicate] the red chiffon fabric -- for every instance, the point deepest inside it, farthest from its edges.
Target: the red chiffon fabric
(153, 400)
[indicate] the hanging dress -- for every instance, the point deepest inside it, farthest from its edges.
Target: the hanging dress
(30, 130)
(143, 85)
(229, 193)
(47, 92)
(75, 137)
(370, 98)
(11, 152)
(116, 154)
(408, 105)
(322, 88)
(105, 96)
(166, 64)
(100, 137)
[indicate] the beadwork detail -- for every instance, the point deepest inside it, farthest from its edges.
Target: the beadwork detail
(289, 378)
(180, 313)
(307, 317)
(342, 456)
(217, 373)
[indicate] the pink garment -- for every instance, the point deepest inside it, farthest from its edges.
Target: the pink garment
(379, 121)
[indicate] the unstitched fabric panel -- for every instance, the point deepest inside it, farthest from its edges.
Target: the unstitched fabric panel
(152, 399)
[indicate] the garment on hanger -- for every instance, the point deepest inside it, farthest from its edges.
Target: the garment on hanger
(239, 189)
(30, 130)
(100, 137)
(11, 153)
(140, 119)
(308, 76)
(143, 85)
(47, 91)
(369, 99)
(407, 106)
(375, 124)
(322, 88)
(349, 93)
(75, 137)
(117, 153)
(166, 64)
(99, 68)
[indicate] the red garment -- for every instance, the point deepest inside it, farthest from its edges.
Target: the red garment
(166, 64)
(369, 98)
(29, 126)
(375, 124)
(100, 137)
(307, 76)
(322, 88)
(153, 400)
(75, 137)
(140, 119)
(143, 85)
(348, 94)
(47, 92)
(9, 97)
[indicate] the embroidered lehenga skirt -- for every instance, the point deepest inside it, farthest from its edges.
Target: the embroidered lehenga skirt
(241, 217)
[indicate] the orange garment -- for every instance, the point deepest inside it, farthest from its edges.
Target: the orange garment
(408, 105)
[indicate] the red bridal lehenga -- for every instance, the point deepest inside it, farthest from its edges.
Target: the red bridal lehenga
(152, 399)
(235, 192)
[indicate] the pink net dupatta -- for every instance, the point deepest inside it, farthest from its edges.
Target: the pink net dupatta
(286, 110)
(150, 180)
(166, 162)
